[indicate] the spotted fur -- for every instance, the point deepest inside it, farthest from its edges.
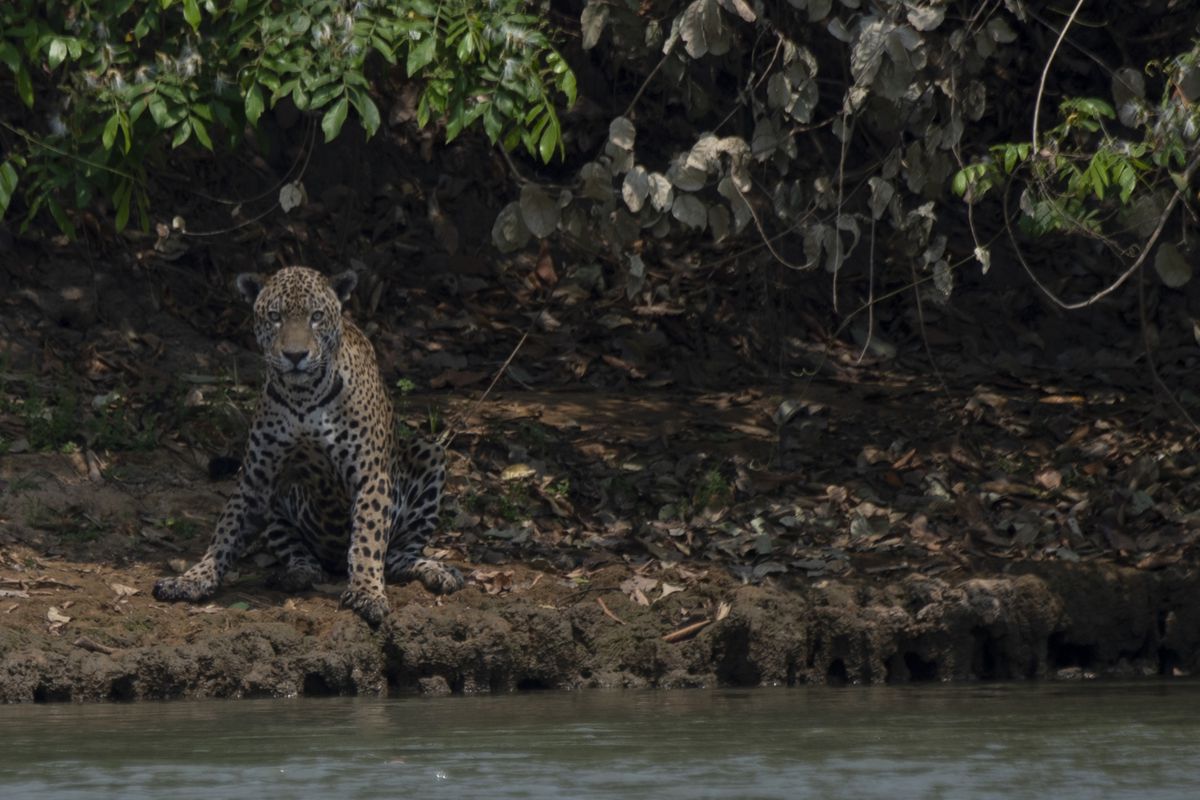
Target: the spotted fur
(323, 468)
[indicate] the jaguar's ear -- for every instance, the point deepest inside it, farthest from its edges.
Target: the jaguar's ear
(343, 284)
(250, 284)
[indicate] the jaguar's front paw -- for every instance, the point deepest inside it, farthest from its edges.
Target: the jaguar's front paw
(372, 606)
(184, 588)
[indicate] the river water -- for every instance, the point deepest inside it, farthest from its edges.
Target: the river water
(1045, 741)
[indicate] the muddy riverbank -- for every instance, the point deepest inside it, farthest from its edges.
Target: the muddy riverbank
(80, 634)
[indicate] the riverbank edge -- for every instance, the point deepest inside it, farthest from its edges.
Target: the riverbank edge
(1038, 621)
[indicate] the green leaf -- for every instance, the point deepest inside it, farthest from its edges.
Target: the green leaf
(254, 104)
(201, 132)
(57, 52)
(423, 110)
(110, 131)
(143, 204)
(321, 97)
(60, 217)
(492, 125)
(182, 134)
(567, 86)
(267, 78)
(10, 56)
(160, 112)
(25, 87)
(551, 137)
(8, 185)
(83, 190)
(1127, 178)
(121, 201)
(1098, 108)
(959, 184)
(420, 54)
(137, 109)
(511, 139)
(332, 122)
(171, 92)
(1010, 158)
(466, 46)
(454, 124)
(191, 12)
(368, 112)
(222, 114)
(384, 49)
(283, 90)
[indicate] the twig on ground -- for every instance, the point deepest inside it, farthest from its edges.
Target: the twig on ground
(607, 612)
(687, 631)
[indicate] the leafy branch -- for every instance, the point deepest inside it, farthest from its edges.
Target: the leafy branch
(122, 82)
(1101, 162)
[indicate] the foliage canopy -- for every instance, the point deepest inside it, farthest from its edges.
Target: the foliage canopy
(119, 81)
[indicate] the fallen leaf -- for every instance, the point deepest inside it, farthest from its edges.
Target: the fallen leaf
(622, 364)
(493, 581)
(668, 589)
(545, 266)
(1049, 479)
(56, 616)
(872, 455)
(122, 590)
(1158, 560)
(516, 472)
(636, 588)
(1063, 400)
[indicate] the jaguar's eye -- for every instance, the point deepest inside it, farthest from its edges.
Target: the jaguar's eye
(316, 317)
(274, 316)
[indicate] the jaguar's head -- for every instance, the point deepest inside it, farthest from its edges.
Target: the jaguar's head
(298, 320)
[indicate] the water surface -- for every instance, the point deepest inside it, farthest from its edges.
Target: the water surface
(1040, 741)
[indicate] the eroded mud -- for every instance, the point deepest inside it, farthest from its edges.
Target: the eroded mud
(1058, 621)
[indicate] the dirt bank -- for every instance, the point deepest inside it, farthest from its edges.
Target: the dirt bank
(74, 637)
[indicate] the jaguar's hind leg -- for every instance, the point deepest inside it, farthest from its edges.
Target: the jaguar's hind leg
(299, 568)
(437, 576)
(418, 497)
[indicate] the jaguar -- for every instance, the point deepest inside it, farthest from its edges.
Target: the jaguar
(325, 478)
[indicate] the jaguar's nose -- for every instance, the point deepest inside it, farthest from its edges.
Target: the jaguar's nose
(295, 356)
